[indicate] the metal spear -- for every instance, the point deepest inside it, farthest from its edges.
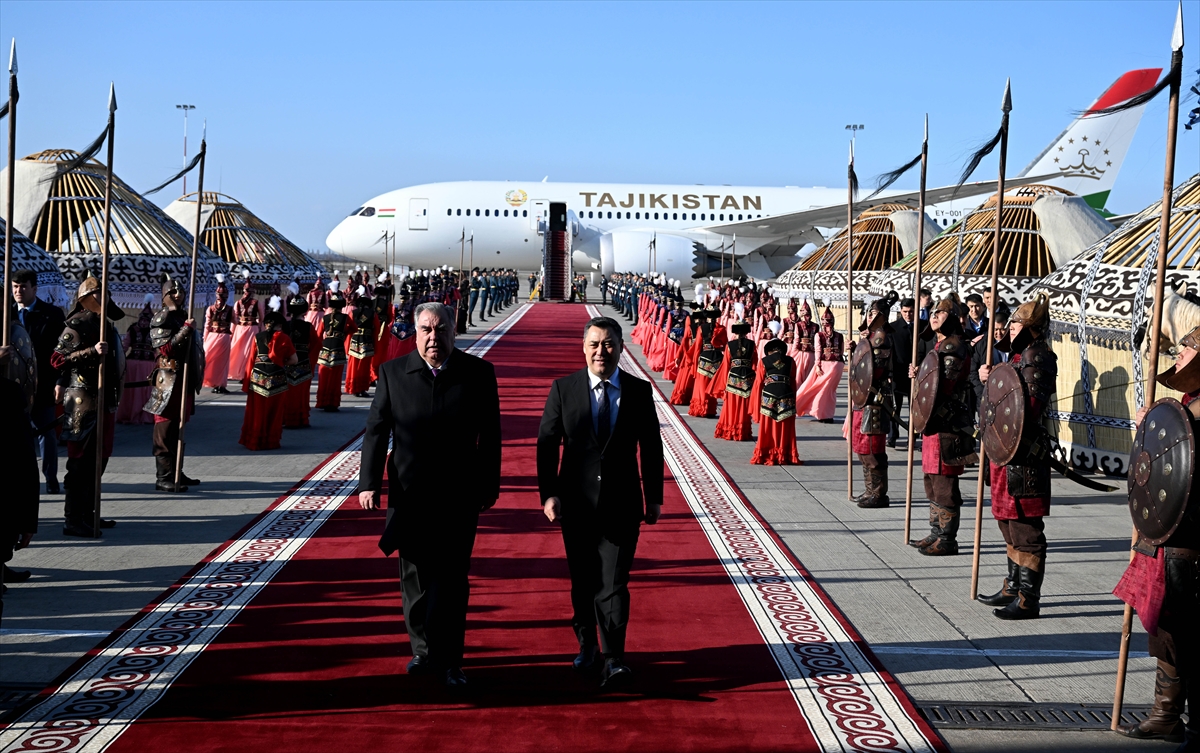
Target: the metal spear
(1164, 226)
(12, 172)
(850, 314)
(187, 364)
(101, 418)
(1006, 107)
(916, 288)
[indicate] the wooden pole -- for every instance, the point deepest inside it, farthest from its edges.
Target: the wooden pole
(1006, 107)
(1164, 229)
(850, 318)
(101, 409)
(191, 299)
(916, 288)
(12, 173)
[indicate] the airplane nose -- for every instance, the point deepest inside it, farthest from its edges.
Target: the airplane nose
(336, 240)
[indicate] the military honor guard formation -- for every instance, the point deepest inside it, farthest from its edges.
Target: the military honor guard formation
(587, 418)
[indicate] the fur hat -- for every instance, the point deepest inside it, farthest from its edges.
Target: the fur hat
(1186, 381)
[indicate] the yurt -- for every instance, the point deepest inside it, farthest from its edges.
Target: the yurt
(1100, 302)
(245, 242)
(28, 255)
(883, 235)
(1042, 228)
(63, 212)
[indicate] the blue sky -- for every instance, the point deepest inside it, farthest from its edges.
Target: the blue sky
(314, 107)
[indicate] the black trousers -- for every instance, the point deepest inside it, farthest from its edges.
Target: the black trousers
(599, 568)
(435, 588)
(79, 503)
(894, 430)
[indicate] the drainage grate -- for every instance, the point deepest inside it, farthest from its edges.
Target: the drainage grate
(13, 694)
(982, 715)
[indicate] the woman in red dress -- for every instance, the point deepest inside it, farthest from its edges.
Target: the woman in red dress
(304, 339)
(332, 358)
(777, 425)
(711, 353)
(262, 426)
(737, 376)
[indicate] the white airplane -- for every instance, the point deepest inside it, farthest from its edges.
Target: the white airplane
(694, 230)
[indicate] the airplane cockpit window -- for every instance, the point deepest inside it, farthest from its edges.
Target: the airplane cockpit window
(367, 212)
(355, 212)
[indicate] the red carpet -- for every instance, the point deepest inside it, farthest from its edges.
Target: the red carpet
(315, 661)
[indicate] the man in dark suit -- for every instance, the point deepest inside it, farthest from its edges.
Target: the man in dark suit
(44, 323)
(441, 408)
(603, 419)
(902, 336)
(979, 352)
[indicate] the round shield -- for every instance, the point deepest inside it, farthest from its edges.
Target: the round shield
(862, 373)
(1002, 413)
(1160, 470)
(22, 365)
(925, 398)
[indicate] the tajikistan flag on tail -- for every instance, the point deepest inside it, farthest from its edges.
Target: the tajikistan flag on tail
(1090, 152)
(386, 212)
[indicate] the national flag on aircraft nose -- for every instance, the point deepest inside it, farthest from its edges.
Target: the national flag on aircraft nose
(386, 212)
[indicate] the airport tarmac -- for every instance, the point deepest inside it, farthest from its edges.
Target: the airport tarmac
(913, 611)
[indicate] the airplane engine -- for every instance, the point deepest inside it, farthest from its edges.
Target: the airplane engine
(630, 251)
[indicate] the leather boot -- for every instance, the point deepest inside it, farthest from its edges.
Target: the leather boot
(946, 543)
(933, 529)
(1027, 605)
(876, 494)
(1007, 592)
(1163, 723)
(164, 466)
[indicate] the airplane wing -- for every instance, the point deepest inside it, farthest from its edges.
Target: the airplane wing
(797, 224)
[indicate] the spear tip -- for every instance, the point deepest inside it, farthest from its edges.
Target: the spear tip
(851, 150)
(12, 58)
(1177, 35)
(1006, 106)
(112, 97)
(927, 126)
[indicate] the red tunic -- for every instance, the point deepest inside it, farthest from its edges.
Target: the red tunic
(262, 425)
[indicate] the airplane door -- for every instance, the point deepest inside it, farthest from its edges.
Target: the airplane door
(418, 214)
(539, 214)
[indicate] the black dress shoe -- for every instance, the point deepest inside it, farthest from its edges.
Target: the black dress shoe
(419, 665)
(107, 523)
(15, 576)
(84, 532)
(456, 679)
(586, 660)
(615, 674)
(52, 486)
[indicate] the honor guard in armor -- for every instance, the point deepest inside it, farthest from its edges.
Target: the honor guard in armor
(173, 336)
(943, 413)
(871, 369)
(1017, 393)
(77, 359)
(332, 359)
(1163, 580)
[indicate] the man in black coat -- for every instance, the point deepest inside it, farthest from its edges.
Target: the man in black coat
(602, 419)
(902, 385)
(44, 322)
(979, 353)
(19, 504)
(441, 408)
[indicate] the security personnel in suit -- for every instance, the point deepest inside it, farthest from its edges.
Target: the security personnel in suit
(44, 323)
(604, 421)
(441, 409)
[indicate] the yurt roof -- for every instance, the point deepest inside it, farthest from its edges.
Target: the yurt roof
(1112, 280)
(1041, 227)
(27, 255)
(63, 212)
(243, 239)
(883, 234)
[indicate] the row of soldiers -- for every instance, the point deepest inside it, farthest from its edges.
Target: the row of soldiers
(492, 290)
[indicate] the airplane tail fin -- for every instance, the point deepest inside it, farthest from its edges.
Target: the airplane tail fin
(1090, 151)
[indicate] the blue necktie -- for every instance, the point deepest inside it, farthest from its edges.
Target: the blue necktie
(603, 415)
(21, 316)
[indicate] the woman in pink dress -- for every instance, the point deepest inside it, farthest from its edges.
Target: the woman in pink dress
(817, 396)
(218, 338)
(247, 322)
(804, 338)
(317, 302)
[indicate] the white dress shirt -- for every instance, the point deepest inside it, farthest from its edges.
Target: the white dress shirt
(614, 399)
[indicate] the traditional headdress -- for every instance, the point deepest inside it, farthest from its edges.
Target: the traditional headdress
(1186, 381)
(88, 296)
(1034, 316)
